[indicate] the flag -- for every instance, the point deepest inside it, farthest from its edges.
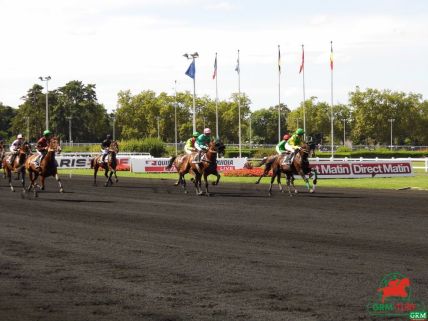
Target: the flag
(302, 65)
(331, 56)
(279, 60)
(237, 69)
(191, 70)
(215, 67)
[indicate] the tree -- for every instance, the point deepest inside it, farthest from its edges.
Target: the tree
(264, 123)
(6, 115)
(372, 109)
(32, 113)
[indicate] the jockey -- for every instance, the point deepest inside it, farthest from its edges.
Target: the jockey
(280, 148)
(105, 146)
(42, 147)
(190, 144)
(14, 148)
(201, 144)
(294, 143)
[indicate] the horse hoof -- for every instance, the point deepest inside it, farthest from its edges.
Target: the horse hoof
(185, 192)
(43, 188)
(117, 181)
(311, 191)
(106, 184)
(176, 184)
(61, 190)
(256, 182)
(208, 194)
(296, 191)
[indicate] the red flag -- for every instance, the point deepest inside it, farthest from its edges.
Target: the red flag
(302, 65)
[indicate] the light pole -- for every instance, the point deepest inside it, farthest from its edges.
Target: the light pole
(193, 56)
(391, 120)
(114, 123)
(175, 118)
(250, 132)
(158, 118)
(47, 78)
(344, 130)
(70, 140)
(28, 127)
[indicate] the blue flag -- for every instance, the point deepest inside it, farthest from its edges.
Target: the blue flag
(191, 70)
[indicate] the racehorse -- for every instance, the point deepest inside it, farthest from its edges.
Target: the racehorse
(18, 165)
(97, 163)
(300, 166)
(207, 166)
(182, 164)
(48, 167)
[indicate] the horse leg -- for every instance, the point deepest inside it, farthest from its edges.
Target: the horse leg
(182, 181)
(197, 182)
(42, 181)
(314, 176)
(106, 175)
(23, 178)
(271, 183)
(218, 178)
(95, 174)
(115, 177)
(292, 184)
(9, 176)
(61, 189)
(109, 178)
(206, 184)
(260, 178)
(278, 179)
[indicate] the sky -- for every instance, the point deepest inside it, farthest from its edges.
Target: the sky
(138, 45)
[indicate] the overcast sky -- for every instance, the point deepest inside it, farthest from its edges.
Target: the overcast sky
(138, 45)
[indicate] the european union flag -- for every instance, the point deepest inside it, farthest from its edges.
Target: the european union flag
(191, 70)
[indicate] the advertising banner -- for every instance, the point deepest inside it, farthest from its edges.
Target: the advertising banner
(361, 169)
(158, 165)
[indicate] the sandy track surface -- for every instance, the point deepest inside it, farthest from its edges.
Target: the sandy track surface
(142, 250)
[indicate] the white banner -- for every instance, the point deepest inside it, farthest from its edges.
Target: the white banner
(361, 169)
(158, 165)
(124, 162)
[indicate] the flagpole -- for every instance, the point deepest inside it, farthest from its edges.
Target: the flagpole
(194, 102)
(175, 117)
(331, 116)
(239, 104)
(216, 98)
(279, 94)
(304, 98)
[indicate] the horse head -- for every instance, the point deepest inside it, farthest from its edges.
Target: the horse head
(114, 147)
(25, 149)
(54, 145)
(220, 147)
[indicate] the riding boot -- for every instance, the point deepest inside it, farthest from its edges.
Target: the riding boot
(103, 160)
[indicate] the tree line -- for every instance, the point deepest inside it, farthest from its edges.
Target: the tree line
(366, 119)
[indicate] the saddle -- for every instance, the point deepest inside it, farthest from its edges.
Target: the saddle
(287, 159)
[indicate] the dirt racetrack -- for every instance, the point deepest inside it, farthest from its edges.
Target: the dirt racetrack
(142, 250)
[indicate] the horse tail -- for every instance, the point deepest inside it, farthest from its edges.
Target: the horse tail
(171, 162)
(264, 160)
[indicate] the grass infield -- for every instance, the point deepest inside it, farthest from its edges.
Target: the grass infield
(419, 181)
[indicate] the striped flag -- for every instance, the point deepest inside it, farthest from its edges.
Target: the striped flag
(215, 67)
(238, 68)
(279, 59)
(331, 56)
(302, 65)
